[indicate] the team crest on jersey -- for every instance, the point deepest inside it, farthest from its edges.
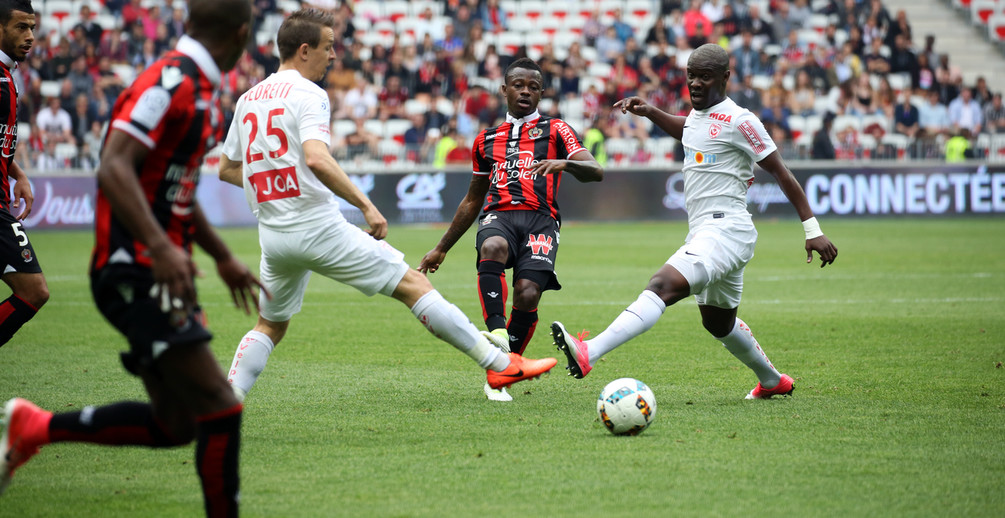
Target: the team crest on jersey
(26, 254)
(714, 130)
(535, 132)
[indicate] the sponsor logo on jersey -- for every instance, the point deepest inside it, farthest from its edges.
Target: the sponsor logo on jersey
(276, 184)
(540, 244)
(752, 137)
(699, 157)
(722, 117)
(565, 132)
(714, 130)
(516, 167)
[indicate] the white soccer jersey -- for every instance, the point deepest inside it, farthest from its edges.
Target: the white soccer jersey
(721, 145)
(271, 122)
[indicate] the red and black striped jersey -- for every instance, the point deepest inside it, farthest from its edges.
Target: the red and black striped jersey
(8, 126)
(507, 152)
(172, 107)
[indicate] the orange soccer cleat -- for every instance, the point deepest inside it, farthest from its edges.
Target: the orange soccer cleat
(25, 428)
(784, 388)
(519, 369)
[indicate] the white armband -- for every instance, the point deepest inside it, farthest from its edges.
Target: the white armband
(812, 228)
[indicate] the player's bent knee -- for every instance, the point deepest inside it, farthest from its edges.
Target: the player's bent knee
(412, 287)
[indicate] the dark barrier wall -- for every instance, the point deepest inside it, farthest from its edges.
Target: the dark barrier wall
(847, 191)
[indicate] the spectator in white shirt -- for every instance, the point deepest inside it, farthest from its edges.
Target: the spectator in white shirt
(54, 122)
(965, 112)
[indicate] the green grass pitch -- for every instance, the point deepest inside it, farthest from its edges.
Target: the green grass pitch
(896, 350)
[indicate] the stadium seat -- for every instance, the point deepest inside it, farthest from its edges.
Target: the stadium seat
(639, 9)
(899, 142)
(981, 10)
(49, 88)
(368, 9)
(395, 10)
(599, 69)
(899, 81)
(391, 151)
(395, 128)
(533, 9)
(661, 149)
(415, 107)
(997, 148)
(842, 122)
(65, 151)
(620, 150)
(343, 127)
(996, 27)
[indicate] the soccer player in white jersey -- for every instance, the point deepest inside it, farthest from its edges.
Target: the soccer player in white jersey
(277, 149)
(721, 143)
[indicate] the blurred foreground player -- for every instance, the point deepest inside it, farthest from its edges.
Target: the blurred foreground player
(142, 272)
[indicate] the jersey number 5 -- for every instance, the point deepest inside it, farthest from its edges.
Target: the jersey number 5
(284, 144)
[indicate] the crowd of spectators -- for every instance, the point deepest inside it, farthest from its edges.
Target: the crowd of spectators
(415, 85)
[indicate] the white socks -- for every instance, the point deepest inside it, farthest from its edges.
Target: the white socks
(633, 321)
(448, 323)
(249, 361)
(741, 343)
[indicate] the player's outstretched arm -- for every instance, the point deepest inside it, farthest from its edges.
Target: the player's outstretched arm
(582, 165)
(816, 241)
(324, 166)
(672, 124)
(466, 213)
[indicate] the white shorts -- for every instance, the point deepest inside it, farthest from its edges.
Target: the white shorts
(341, 251)
(713, 258)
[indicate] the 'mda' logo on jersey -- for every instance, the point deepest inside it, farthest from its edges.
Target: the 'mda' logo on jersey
(540, 244)
(721, 117)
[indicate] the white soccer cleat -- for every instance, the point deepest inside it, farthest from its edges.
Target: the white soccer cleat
(497, 395)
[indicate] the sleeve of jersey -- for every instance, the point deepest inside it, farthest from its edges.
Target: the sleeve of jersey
(147, 103)
(232, 144)
(315, 117)
(752, 138)
(479, 165)
(568, 139)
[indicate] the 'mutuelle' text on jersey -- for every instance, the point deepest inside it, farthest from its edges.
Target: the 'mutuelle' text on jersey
(721, 145)
(172, 107)
(8, 132)
(271, 122)
(506, 153)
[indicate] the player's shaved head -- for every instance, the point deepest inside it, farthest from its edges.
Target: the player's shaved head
(710, 57)
(216, 20)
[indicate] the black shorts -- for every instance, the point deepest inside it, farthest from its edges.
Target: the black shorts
(16, 252)
(122, 294)
(533, 244)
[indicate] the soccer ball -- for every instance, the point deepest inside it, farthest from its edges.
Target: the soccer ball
(626, 406)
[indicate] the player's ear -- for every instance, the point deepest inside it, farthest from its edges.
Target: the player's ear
(303, 50)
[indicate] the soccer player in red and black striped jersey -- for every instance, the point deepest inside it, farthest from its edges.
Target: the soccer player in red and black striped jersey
(519, 166)
(147, 219)
(21, 270)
